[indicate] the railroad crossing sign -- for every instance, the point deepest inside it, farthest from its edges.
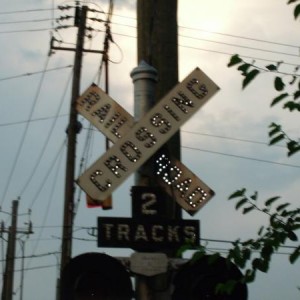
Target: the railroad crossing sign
(135, 143)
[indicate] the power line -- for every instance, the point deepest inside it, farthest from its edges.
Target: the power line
(25, 11)
(241, 46)
(219, 52)
(241, 37)
(38, 160)
(25, 21)
(218, 33)
(34, 73)
(35, 255)
(9, 181)
(48, 173)
(243, 56)
(25, 30)
(31, 121)
(242, 157)
(230, 138)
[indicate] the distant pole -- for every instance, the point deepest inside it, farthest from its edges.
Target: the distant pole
(8, 278)
(71, 151)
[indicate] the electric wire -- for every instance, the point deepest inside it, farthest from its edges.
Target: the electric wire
(219, 52)
(25, 11)
(24, 21)
(241, 46)
(34, 73)
(206, 40)
(179, 26)
(35, 255)
(32, 120)
(83, 164)
(241, 37)
(233, 45)
(49, 202)
(241, 157)
(230, 138)
(25, 30)
(19, 150)
(47, 139)
(35, 197)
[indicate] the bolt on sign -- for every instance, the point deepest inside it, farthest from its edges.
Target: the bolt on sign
(144, 138)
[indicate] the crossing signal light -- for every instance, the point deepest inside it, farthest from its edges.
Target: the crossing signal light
(95, 276)
(197, 280)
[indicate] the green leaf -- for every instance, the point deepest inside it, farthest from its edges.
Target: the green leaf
(293, 79)
(254, 196)
(297, 11)
(234, 60)
(249, 276)
(249, 77)
(274, 129)
(279, 84)
(292, 236)
(238, 193)
(282, 206)
(296, 95)
(260, 230)
(241, 203)
(260, 264)
(248, 209)
(271, 67)
(276, 139)
(279, 98)
(271, 200)
(266, 251)
(225, 288)
(244, 68)
(294, 256)
(292, 1)
(198, 255)
(292, 105)
(293, 147)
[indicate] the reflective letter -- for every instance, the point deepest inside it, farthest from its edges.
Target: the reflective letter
(140, 233)
(99, 186)
(133, 154)
(123, 232)
(114, 164)
(155, 237)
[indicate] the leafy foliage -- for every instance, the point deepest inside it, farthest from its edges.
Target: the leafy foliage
(283, 225)
(254, 255)
(296, 9)
(282, 84)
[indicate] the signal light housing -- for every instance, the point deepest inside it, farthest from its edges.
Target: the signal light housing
(95, 276)
(197, 279)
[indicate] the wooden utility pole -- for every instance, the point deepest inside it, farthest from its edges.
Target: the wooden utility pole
(157, 46)
(8, 278)
(66, 251)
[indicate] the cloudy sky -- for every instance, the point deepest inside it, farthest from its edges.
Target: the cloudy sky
(225, 143)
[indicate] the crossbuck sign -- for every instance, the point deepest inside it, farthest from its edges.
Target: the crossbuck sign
(137, 142)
